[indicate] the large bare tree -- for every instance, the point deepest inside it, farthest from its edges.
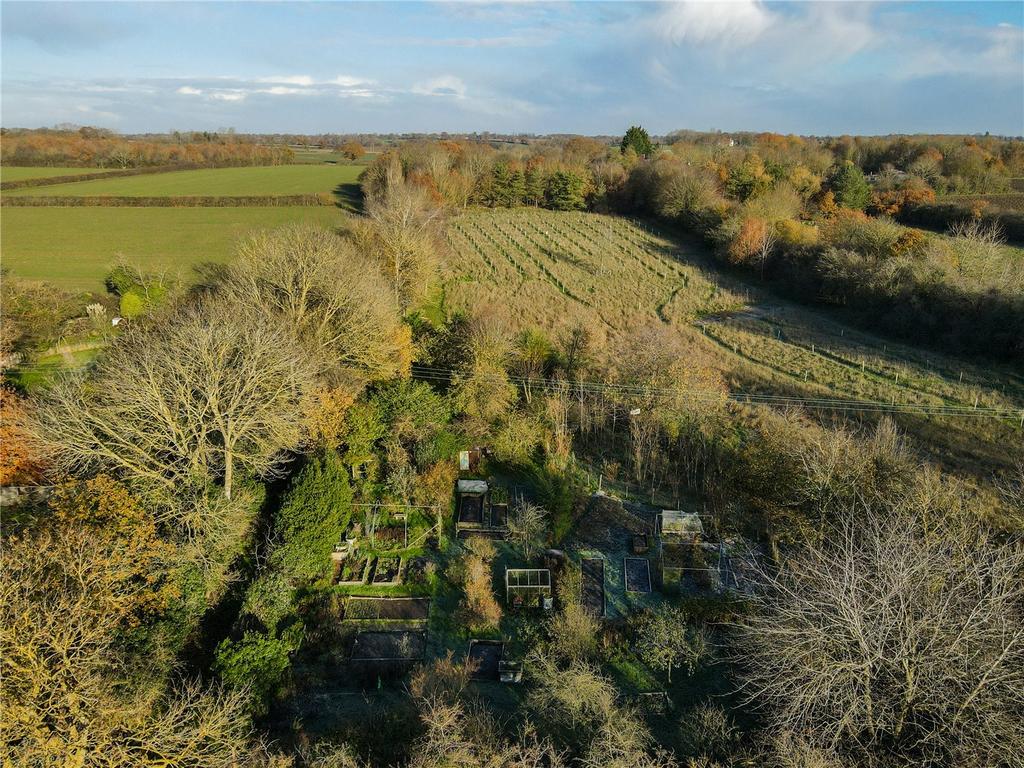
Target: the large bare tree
(403, 236)
(192, 395)
(895, 638)
(334, 300)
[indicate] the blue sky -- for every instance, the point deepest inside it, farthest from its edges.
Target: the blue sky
(810, 68)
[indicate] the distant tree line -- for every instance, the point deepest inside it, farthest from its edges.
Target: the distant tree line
(88, 148)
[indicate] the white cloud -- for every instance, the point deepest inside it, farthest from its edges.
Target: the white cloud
(704, 21)
(283, 90)
(233, 95)
(188, 90)
(347, 81)
(445, 85)
(303, 80)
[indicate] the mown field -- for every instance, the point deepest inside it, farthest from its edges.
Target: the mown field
(18, 173)
(550, 268)
(315, 155)
(259, 180)
(74, 248)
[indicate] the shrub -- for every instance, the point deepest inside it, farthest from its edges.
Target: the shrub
(707, 730)
(269, 599)
(312, 518)
(257, 663)
(796, 234)
(132, 305)
(872, 237)
(120, 280)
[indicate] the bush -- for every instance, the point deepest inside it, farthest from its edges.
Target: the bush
(312, 518)
(872, 237)
(795, 234)
(707, 730)
(257, 663)
(120, 280)
(269, 599)
(132, 305)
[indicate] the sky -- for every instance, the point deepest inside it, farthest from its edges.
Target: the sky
(821, 68)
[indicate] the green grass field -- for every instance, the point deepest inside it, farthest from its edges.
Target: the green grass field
(261, 180)
(310, 155)
(18, 173)
(74, 247)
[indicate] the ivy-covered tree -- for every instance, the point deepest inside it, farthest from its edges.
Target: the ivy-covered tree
(312, 518)
(637, 139)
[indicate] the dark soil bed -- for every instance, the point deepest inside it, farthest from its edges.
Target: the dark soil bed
(352, 570)
(638, 574)
(397, 645)
(485, 655)
(392, 537)
(387, 570)
(471, 510)
(593, 586)
(499, 515)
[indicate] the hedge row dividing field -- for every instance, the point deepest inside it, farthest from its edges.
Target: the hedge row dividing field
(550, 269)
(190, 201)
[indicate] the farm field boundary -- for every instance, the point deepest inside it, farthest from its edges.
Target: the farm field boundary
(186, 201)
(92, 175)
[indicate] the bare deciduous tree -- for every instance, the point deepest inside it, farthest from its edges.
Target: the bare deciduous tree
(333, 299)
(892, 637)
(404, 237)
(527, 525)
(199, 393)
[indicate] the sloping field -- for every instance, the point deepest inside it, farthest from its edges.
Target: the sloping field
(557, 267)
(552, 268)
(74, 248)
(260, 180)
(20, 173)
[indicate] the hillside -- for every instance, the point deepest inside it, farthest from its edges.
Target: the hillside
(550, 269)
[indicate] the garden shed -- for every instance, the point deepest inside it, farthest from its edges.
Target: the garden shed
(472, 500)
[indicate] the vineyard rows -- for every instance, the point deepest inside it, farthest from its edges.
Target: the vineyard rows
(609, 269)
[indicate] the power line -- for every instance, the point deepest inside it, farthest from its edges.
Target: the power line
(823, 403)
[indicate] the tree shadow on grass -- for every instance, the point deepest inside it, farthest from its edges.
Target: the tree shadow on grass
(349, 196)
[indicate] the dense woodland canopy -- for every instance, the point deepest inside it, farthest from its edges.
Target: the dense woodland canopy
(166, 602)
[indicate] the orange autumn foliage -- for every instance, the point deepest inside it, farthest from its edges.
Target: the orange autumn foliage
(748, 241)
(20, 464)
(135, 580)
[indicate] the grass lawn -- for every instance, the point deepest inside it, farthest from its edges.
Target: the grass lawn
(260, 180)
(17, 173)
(74, 248)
